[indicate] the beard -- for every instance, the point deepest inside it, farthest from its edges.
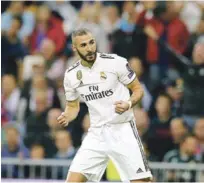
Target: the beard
(87, 56)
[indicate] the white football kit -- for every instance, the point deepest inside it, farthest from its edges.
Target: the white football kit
(111, 135)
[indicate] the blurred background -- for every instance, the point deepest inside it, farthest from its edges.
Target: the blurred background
(162, 41)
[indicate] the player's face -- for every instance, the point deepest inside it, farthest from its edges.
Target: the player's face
(86, 47)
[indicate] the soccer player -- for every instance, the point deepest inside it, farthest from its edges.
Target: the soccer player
(103, 80)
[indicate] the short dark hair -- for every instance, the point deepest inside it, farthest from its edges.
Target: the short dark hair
(18, 18)
(80, 32)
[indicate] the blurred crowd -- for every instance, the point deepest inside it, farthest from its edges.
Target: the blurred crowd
(163, 43)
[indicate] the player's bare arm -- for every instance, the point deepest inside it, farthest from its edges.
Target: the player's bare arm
(70, 113)
(137, 93)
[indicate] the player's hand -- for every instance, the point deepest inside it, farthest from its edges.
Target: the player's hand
(121, 106)
(63, 119)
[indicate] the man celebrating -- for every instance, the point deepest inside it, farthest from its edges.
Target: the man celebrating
(103, 80)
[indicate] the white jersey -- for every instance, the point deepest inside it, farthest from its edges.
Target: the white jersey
(100, 87)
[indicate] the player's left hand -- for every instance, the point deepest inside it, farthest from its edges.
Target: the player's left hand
(121, 106)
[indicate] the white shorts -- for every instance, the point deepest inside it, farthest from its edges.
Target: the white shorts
(118, 142)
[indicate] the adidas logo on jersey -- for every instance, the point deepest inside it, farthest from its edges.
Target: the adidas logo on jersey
(98, 95)
(139, 170)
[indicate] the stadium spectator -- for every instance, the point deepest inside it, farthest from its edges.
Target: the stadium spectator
(185, 154)
(160, 140)
(36, 121)
(164, 21)
(12, 50)
(111, 19)
(47, 26)
(37, 152)
(55, 66)
(64, 145)
(198, 130)
(65, 150)
(51, 120)
(39, 114)
(17, 8)
(28, 96)
(129, 35)
(14, 146)
(178, 130)
(195, 38)
(192, 74)
(175, 90)
(89, 17)
(66, 11)
(190, 13)
(142, 123)
(33, 65)
(137, 67)
(10, 96)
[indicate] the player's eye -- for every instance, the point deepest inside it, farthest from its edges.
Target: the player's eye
(83, 44)
(92, 42)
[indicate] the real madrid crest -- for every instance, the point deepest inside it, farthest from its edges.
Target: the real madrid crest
(79, 75)
(103, 75)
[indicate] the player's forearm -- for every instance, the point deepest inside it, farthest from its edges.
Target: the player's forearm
(137, 94)
(71, 112)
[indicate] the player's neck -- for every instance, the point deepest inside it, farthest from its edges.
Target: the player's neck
(87, 64)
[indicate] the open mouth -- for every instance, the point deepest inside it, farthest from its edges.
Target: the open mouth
(90, 56)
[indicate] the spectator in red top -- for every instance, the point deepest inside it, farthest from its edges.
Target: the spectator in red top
(47, 26)
(170, 29)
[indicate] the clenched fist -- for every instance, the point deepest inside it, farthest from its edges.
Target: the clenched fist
(63, 119)
(121, 106)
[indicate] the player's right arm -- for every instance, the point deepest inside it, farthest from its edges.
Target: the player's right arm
(70, 113)
(72, 97)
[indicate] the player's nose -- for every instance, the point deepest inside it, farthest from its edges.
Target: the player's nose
(89, 49)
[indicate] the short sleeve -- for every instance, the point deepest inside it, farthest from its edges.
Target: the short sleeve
(125, 73)
(70, 92)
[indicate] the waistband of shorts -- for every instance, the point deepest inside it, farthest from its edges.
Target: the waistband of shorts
(110, 124)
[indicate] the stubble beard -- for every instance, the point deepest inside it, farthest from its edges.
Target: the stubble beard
(84, 57)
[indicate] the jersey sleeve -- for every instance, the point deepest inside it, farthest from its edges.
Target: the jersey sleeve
(70, 92)
(125, 73)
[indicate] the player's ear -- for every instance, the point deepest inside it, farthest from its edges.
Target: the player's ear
(73, 47)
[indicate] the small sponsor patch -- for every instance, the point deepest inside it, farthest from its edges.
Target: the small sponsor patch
(131, 72)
